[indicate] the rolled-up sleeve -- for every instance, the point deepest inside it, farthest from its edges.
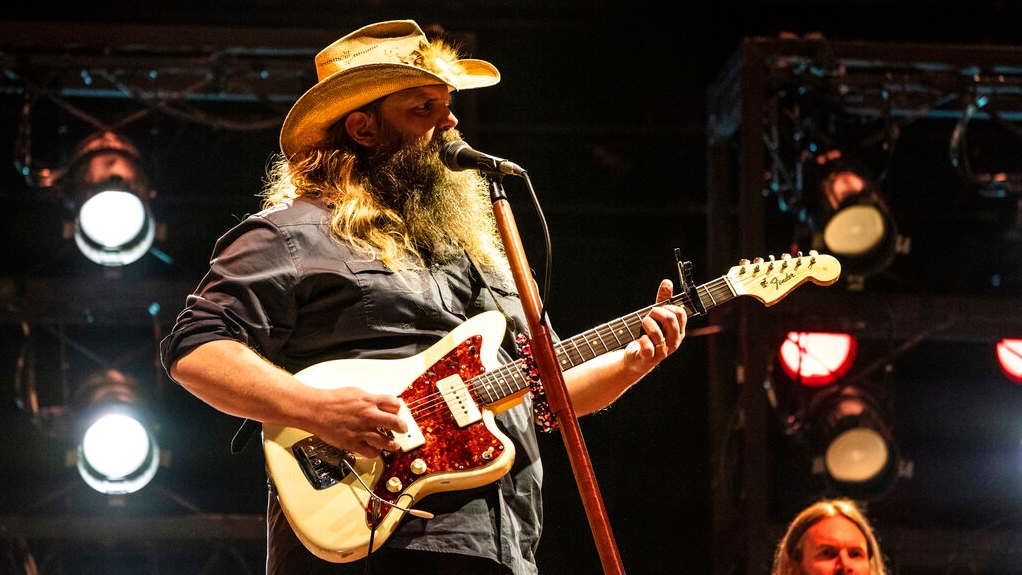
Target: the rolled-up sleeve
(246, 296)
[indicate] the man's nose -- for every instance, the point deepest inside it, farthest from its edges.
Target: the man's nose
(449, 122)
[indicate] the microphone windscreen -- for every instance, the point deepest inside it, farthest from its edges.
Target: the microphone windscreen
(449, 154)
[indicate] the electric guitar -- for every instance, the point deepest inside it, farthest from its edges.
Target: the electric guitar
(340, 503)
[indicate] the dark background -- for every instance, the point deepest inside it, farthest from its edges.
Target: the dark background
(605, 103)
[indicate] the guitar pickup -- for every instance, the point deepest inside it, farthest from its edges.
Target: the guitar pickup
(459, 401)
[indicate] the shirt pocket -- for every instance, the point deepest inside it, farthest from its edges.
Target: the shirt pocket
(391, 300)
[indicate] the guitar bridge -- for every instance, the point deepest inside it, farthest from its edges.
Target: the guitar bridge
(322, 463)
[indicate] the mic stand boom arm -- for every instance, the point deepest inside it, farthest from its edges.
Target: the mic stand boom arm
(553, 381)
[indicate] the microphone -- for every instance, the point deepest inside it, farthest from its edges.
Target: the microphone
(459, 156)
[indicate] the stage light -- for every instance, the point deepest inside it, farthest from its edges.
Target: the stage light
(113, 223)
(816, 359)
(117, 451)
(853, 444)
(1009, 358)
(850, 217)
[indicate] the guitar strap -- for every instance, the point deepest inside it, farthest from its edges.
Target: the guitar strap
(542, 416)
(244, 433)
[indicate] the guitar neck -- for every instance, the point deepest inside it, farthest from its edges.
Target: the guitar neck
(495, 385)
(767, 281)
(620, 332)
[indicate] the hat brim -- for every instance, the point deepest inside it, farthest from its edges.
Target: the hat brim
(323, 105)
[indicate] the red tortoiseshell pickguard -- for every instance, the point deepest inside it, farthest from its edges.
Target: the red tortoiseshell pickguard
(448, 447)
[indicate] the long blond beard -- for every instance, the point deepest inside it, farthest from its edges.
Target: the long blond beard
(445, 213)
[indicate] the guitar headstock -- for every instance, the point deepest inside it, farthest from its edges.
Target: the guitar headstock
(770, 280)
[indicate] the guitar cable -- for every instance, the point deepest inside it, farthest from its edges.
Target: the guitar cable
(375, 501)
(374, 523)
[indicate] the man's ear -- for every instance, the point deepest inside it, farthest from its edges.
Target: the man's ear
(361, 127)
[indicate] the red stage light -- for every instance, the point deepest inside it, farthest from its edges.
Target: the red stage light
(815, 359)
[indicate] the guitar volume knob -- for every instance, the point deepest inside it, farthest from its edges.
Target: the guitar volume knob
(394, 485)
(418, 467)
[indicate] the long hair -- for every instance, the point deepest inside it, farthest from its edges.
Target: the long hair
(788, 556)
(334, 173)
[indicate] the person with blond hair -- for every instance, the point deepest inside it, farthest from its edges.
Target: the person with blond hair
(371, 257)
(830, 537)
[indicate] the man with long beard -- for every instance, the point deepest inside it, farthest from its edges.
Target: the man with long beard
(370, 248)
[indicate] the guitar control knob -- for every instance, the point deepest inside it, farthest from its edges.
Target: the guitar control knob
(394, 485)
(418, 466)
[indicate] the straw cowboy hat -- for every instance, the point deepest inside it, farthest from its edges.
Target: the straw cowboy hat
(368, 64)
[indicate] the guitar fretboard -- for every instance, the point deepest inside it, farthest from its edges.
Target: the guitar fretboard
(511, 378)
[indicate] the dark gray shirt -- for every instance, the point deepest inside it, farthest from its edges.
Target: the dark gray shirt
(282, 283)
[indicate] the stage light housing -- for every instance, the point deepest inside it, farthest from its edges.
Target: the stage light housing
(854, 447)
(113, 222)
(116, 448)
(850, 217)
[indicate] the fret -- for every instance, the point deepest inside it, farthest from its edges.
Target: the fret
(589, 345)
(638, 327)
(562, 357)
(723, 290)
(709, 294)
(485, 381)
(568, 360)
(606, 348)
(577, 352)
(614, 333)
(505, 389)
(510, 378)
(618, 330)
(518, 376)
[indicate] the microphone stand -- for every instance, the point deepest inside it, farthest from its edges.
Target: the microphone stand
(553, 380)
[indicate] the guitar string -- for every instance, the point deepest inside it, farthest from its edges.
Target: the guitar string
(434, 402)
